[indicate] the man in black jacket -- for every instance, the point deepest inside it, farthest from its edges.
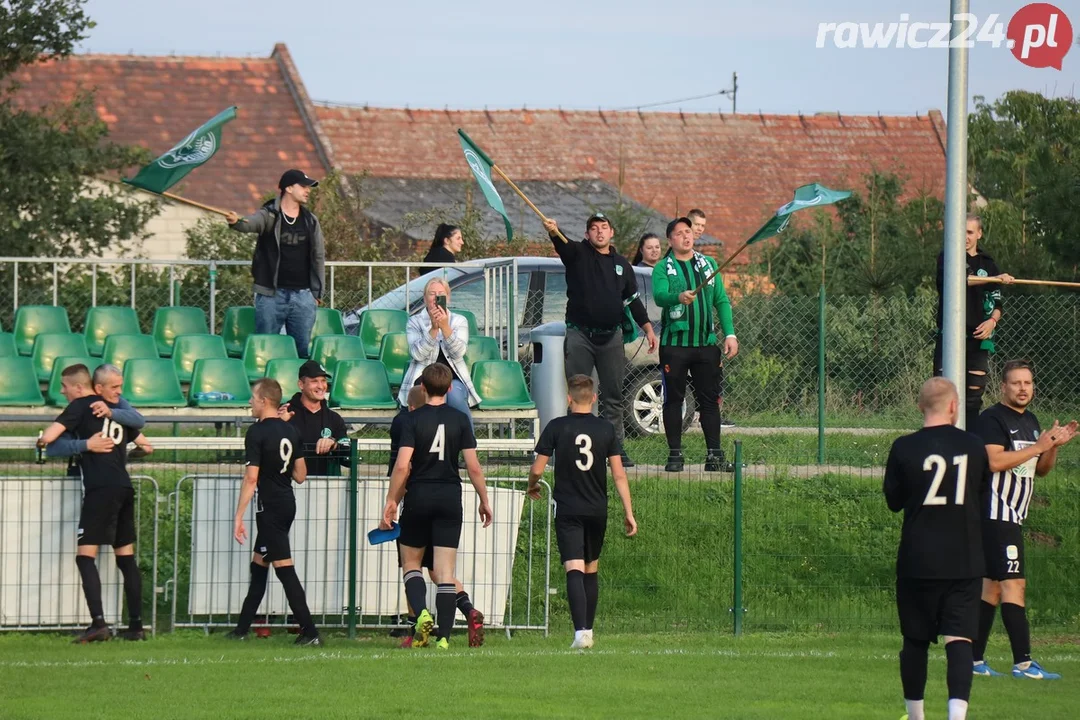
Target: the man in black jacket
(600, 285)
(983, 313)
(321, 429)
(288, 267)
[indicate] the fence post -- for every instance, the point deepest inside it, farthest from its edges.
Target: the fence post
(821, 377)
(354, 459)
(738, 610)
(213, 293)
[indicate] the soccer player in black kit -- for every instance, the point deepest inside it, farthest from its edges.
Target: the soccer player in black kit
(1018, 452)
(426, 475)
(274, 458)
(108, 510)
(938, 477)
(580, 443)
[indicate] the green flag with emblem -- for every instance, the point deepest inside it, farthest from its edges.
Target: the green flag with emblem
(188, 154)
(481, 164)
(807, 196)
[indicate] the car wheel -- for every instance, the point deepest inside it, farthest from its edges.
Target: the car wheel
(645, 407)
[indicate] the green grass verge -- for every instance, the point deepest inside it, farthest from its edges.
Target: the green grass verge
(791, 676)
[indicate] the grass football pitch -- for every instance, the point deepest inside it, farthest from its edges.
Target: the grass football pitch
(190, 675)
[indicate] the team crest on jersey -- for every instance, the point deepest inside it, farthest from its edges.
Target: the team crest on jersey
(618, 270)
(1012, 553)
(326, 432)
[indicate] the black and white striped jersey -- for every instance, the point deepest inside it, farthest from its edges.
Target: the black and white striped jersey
(1010, 490)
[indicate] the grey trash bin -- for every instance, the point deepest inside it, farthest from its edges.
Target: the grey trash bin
(548, 371)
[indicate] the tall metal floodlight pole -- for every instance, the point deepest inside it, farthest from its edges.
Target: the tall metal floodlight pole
(954, 293)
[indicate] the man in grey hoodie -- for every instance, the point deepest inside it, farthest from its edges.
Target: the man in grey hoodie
(288, 266)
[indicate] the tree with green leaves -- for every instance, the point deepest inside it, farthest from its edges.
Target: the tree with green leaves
(1024, 158)
(52, 159)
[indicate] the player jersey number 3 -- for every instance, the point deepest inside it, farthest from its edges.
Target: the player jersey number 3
(584, 443)
(937, 464)
(112, 430)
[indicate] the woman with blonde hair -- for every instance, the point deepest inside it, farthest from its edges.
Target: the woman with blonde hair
(438, 335)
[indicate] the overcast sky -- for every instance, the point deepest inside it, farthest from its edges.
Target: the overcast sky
(583, 53)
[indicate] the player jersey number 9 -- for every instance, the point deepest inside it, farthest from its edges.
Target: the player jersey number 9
(286, 450)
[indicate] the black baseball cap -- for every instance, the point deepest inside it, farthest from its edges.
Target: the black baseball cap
(671, 225)
(598, 217)
(312, 369)
(296, 177)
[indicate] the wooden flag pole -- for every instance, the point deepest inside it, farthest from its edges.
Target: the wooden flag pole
(722, 266)
(193, 203)
(974, 280)
(528, 202)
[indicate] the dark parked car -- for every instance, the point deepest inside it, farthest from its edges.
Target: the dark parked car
(541, 298)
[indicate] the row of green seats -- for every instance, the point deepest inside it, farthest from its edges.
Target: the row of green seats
(153, 382)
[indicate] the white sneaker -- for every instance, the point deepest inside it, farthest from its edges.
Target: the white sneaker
(579, 640)
(587, 640)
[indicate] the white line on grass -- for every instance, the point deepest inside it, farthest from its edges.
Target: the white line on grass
(382, 655)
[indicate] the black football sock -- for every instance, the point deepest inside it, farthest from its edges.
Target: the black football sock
(416, 591)
(464, 604)
(256, 590)
(575, 594)
(1014, 617)
(592, 596)
(445, 598)
(294, 593)
(986, 624)
(958, 654)
(132, 589)
(91, 583)
(913, 658)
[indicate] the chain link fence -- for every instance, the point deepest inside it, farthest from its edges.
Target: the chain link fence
(877, 350)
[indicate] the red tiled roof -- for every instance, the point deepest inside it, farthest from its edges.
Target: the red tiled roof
(156, 101)
(738, 169)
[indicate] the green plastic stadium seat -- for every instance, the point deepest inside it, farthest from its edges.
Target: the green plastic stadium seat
(225, 375)
(481, 347)
(287, 372)
(49, 346)
(327, 350)
(328, 321)
(239, 322)
(7, 345)
(361, 385)
(152, 382)
(33, 320)
(261, 349)
(376, 323)
(395, 356)
(53, 395)
(18, 383)
(471, 317)
(106, 320)
(501, 385)
(171, 322)
(189, 349)
(121, 348)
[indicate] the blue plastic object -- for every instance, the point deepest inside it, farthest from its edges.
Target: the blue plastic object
(213, 396)
(379, 536)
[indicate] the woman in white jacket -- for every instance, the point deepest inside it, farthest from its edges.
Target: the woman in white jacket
(437, 334)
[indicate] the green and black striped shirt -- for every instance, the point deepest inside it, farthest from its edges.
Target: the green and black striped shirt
(690, 325)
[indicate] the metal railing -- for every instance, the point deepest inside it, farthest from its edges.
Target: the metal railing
(39, 582)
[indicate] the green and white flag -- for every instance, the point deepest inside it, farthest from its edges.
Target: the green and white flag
(807, 196)
(481, 165)
(185, 156)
